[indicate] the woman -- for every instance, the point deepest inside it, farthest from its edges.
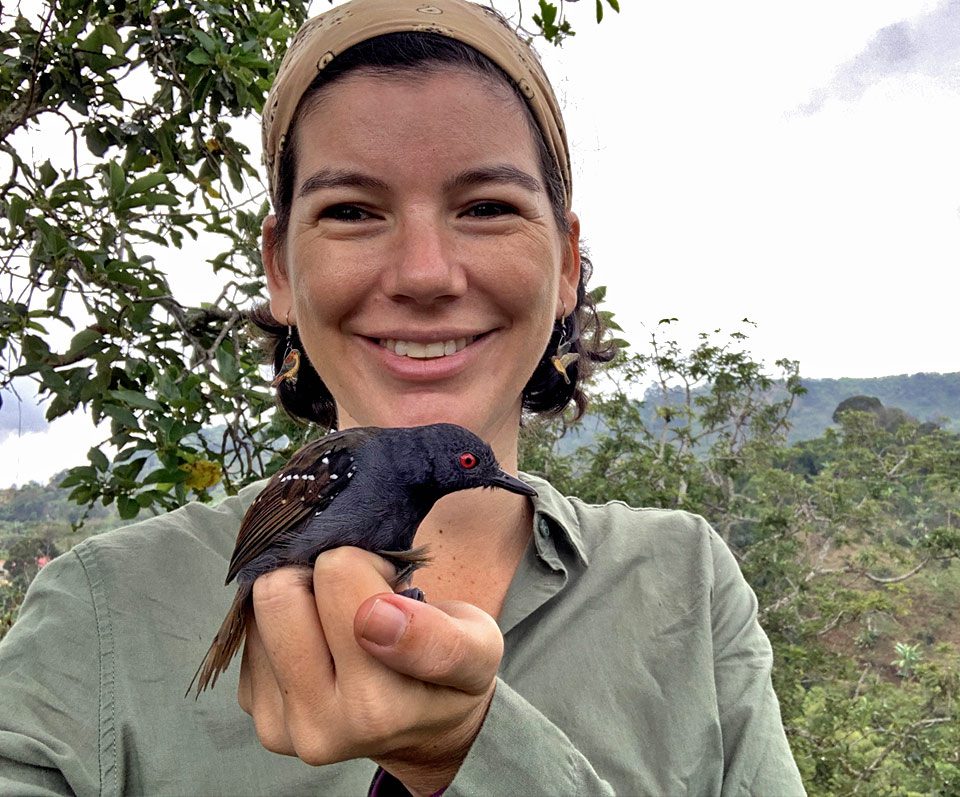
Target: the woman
(424, 258)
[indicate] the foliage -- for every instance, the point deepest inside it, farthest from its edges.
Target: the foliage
(850, 541)
(908, 657)
(150, 98)
(26, 556)
(148, 95)
(11, 596)
(928, 397)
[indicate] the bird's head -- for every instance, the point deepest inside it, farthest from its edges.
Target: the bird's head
(454, 458)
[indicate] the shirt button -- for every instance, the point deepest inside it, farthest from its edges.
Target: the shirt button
(543, 527)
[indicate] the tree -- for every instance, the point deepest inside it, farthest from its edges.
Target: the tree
(149, 98)
(850, 542)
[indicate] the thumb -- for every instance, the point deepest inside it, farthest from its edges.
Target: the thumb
(450, 643)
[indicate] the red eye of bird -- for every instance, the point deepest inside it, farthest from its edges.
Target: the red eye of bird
(467, 460)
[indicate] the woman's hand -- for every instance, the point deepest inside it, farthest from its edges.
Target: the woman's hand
(351, 670)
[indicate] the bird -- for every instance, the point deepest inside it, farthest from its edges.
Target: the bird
(369, 487)
(289, 369)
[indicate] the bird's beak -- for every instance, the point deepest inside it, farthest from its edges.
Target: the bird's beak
(511, 483)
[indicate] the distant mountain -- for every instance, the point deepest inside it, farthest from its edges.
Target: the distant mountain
(927, 397)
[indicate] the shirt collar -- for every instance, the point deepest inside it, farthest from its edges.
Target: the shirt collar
(552, 505)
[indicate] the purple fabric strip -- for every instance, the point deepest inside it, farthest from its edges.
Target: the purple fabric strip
(386, 785)
(377, 781)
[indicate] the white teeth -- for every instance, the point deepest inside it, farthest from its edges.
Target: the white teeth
(424, 351)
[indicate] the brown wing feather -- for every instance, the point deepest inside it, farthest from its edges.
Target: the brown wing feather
(224, 646)
(298, 490)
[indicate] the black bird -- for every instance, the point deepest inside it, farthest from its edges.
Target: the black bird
(367, 487)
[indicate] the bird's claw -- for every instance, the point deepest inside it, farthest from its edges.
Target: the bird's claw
(414, 592)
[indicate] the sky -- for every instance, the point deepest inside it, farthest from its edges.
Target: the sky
(795, 164)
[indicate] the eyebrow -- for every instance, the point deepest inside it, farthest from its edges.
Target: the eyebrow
(493, 174)
(339, 178)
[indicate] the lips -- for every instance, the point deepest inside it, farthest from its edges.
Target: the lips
(425, 351)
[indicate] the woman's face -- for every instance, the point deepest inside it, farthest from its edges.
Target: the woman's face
(423, 265)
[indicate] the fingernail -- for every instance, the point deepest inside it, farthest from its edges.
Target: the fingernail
(384, 624)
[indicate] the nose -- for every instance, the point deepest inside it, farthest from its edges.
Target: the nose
(424, 267)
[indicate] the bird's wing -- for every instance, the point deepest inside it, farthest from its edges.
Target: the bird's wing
(313, 477)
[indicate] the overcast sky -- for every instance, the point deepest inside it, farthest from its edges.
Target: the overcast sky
(796, 164)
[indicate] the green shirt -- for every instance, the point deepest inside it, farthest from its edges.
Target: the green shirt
(634, 665)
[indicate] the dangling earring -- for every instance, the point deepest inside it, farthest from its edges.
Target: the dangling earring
(564, 358)
(291, 361)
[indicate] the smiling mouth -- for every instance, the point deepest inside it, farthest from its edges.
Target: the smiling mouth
(426, 351)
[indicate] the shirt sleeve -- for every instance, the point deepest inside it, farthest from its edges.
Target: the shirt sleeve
(520, 751)
(756, 754)
(50, 688)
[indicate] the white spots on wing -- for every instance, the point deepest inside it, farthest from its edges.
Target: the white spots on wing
(307, 477)
(333, 476)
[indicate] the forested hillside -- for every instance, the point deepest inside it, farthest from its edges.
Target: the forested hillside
(926, 397)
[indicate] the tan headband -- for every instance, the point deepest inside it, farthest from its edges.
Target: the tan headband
(327, 35)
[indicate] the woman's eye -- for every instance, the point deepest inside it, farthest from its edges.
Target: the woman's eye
(486, 210)
(345, 213)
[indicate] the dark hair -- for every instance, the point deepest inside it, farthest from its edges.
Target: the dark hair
(396, 54)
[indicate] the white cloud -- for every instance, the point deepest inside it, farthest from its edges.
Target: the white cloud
(36, 456)
(928, 44)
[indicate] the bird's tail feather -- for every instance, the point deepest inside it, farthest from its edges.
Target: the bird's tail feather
(406, 562)
(225, 645)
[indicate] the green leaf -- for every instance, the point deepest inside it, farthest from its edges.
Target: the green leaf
(122, 415)
(112, 38)
(99, 459)
(118, 179)
(82, 340)
(174, 475)
(16, 211)
(146, 183)
(135, 399)
(127, 507)
(198, 56)
(599, 11)
(47, 174)
(170, 200)
(78, 475)
(615, 5)
(97, 142)
(206, 41)
(548, 13)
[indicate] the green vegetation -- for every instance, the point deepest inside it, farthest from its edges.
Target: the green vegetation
(849, 537)
(925, 397)
(850, 540)
(147, 99)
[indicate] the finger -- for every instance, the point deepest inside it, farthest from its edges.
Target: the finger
(293, 639)
(451, 643)
(342, 579)
(259, 694)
